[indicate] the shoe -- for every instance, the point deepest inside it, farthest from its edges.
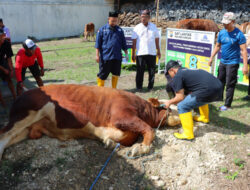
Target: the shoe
(100, 82)
(114, 81)
(150, 89)
(224, 108)
(139, 89)
(187, 125)
(204, 114)
(247, 98)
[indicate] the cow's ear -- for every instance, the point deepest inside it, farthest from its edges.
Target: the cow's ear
(154, 102)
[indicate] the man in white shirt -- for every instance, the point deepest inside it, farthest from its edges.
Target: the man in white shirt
(146, 43)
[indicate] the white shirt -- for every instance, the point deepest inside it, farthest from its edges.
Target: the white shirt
(145, 38)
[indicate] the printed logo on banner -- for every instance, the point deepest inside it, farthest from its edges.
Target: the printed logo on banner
(205, 38)
(171, 34)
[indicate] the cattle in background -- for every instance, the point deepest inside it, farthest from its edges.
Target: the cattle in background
(245, 27)
(198, 24)
(89, 31)
(73, 111)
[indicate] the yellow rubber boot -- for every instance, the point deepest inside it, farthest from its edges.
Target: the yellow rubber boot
(204, 114)
(100, 82)
(114, 81)
(187, 125)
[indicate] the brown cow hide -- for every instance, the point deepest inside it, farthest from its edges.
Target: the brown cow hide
(74, 111)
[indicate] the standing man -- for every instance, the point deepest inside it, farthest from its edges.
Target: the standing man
(248, 44)
(5, 29)
(145, 41)
(232, 42)
(202, 88)
(110, 41)
(6, 66)
(29, 56)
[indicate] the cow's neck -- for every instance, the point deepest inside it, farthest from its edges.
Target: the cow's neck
(151, 116)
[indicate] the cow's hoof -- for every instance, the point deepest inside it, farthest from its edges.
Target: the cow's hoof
(109, 143)
(140, 149)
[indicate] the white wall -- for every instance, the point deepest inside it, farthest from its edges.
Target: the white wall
(52, 18)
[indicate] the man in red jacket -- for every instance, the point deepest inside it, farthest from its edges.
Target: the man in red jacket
(29, 56)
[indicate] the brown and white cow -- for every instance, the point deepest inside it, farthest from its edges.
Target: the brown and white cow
(198, 24)
(245, 27)
(73, 111)
(89, 31)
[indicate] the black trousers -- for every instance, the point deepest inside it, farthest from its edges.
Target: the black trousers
(141, 62)
(110, 66)
(227, 74)
(34, 69)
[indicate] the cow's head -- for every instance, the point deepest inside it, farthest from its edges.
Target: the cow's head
(170, 116)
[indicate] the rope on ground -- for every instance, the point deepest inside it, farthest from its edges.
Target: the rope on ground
(106, 163)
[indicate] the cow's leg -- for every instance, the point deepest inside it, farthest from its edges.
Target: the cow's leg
(20, 129)
(137, 126)
(39, 128)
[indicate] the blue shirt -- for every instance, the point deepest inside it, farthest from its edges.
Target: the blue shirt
(230, 45)
(110, 41)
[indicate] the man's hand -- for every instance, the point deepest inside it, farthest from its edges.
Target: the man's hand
(167, 104)
(19, 88)
(133, 57)
(159, 54)
(245, 69)
(42, 72)
(97, 59)
(210, 62)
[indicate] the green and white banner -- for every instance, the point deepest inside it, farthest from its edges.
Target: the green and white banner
(191, 48)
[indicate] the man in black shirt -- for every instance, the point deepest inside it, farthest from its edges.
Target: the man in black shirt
(202, 88)
(6, 67)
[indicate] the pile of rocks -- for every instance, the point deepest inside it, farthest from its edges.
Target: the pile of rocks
(129, 19)
(174, 10)
(132, 19)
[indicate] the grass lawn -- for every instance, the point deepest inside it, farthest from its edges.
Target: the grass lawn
(65, 65)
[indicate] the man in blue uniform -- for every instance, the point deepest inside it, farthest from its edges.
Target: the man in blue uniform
(202, 88)
(232, 42)
(110, 41)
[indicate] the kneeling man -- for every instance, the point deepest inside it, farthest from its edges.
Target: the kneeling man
(202, 88)
(29, 56)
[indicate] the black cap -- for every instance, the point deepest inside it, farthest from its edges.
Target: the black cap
(145, 12)
(170, 65)
(113, 14)
(1, 31)
(1, 20)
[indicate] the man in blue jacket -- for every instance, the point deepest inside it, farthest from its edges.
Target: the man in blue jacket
(110, 41)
